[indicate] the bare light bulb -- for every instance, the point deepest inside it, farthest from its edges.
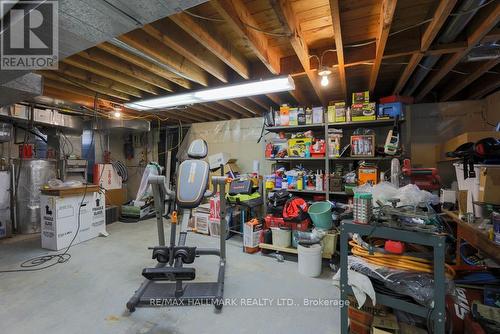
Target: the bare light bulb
(324, 81)
(117, 114)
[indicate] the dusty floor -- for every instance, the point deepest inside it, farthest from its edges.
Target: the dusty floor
(88, 294)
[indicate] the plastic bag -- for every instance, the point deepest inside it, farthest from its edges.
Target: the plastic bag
(365, 188)
(408, 195)
(418, 285)
(384, 191)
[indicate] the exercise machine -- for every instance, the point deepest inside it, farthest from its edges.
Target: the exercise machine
(164, 284)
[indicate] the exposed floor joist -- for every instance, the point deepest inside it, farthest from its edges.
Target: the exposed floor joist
(215, 42)
(484, 21)
(459, 85)
(385, 21)
(444, 9)
(339, 46)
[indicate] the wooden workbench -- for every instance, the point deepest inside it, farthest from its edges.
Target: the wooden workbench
(475, 237)
(70, 191)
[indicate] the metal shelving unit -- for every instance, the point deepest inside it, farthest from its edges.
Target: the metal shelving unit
(438, 312)
(324, 127)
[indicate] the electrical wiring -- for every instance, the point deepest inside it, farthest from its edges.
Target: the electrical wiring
(270, 33)
(401, 262)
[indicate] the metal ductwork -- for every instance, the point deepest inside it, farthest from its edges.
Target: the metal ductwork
(450, 32)
(139, 125)
(482, 52)
(24, 88)
(86, 23)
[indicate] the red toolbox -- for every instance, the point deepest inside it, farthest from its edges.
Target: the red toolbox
(271, 221)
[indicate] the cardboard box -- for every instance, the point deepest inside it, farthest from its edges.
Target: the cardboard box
(466, 137)
(231, 166)
(201, 223)
(340, 112)
(106, 177)
(284, 115)
(331, 113)
(361, 97)
(385, 325)
(489, 185)
(116, 197)
(293, 117)
(215, 160)
(98, 215)
(59, 220)
(363, 112)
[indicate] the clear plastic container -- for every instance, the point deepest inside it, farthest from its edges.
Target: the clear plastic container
(363, 208)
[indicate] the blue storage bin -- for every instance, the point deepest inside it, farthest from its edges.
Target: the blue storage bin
(390, 110)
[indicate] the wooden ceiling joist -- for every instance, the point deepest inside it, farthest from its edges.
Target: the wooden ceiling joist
(78, 98)
(149, 45)
(110, 73)
(213, 41)
(485, 89)
(484, 21)
(261, 101)
(78, 73)
(106, 59)
(64, 79)
(183, 115)
(444, 9)
(236, 108)
(215, 113)
(339, 46)
(285, 13)
(385, 21)
(72, 88)
(276, 98)
(248, 105)
(220, 109)
(459, 85)
(143, 63)
(238, 17)
(182, 43)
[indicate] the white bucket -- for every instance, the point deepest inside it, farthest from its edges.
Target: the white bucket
(282, 237)
(310, 260)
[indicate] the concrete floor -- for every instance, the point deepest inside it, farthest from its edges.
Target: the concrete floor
(88, 294)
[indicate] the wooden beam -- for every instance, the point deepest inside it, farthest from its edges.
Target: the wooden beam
(72, 88)
(492, 36)
(80, 98)
(234, 107)
(182, 43)
(57, 76)
(106, 59)
(220, 109)
(261, 101)
(484, 21)
(215, 113)
(299, 96)
(459, 85)
(275, 98)
(285, 14)
(339, 46)
(484, 90)
(238, 17)
(385, 21)
(110, 73)
(92, 78)
(182, 115)
(143, 63)
(292, 66)
(205, 34)
(249, 105)
(143, 42)
(199, 115)
(444, 9)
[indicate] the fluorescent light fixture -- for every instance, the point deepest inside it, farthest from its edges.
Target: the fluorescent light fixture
(279, 84)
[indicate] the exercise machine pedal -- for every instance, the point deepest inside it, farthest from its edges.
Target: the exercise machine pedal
(169, 274)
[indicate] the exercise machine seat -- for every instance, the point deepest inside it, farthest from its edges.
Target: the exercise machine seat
(192, 181)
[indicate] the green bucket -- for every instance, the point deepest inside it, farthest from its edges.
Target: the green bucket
(321, 215)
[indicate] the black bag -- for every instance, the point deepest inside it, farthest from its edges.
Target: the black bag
(276, 202)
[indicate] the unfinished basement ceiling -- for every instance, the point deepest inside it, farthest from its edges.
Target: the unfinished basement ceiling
(370, 45)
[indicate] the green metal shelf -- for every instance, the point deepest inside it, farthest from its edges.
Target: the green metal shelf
(375, 123)
(437, 241)
(292, 128)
